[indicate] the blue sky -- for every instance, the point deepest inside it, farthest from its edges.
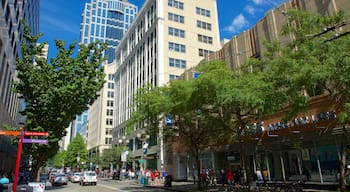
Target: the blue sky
(60, 19)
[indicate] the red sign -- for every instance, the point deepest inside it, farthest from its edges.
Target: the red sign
(26, 133)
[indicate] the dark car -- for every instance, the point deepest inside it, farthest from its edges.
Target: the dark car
(59, 179)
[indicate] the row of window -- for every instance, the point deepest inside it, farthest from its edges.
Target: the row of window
(201, 11)
(176, 4)
(205, 39)
(181, 19)
(177, 47)
(176, 18)
(176, 32)
(178, 63)
(180, 5)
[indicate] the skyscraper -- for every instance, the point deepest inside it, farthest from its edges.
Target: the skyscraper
(166, 38)
(11, 30)
(106, 21)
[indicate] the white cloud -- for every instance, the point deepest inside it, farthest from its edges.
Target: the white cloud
(260, 2)
(250, 9)
(237, 24)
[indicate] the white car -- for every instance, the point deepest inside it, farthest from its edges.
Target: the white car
(88, 177)
(76, 177)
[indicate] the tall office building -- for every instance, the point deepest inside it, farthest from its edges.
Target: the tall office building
(106, 21)
(11, 30)
(166, 38)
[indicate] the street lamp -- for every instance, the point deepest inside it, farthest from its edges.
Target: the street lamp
(143, 137)
(123, 142)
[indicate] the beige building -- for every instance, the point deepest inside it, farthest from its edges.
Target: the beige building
(100, 121)
(283, 161)
(166, 38)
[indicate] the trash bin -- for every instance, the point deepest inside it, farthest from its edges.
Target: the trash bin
(146, 181)
(168, 181)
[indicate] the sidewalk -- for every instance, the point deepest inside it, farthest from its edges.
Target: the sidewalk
(185, 186)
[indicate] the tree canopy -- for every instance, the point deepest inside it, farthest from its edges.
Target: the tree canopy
(55, 92)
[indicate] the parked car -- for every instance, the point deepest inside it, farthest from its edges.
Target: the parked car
(59, 179)
(88, 177)
(76, 177)
(69, 175)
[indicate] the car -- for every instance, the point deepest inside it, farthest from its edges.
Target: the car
(69, 175)
(59, 179)
(76, 177)
(88, 177)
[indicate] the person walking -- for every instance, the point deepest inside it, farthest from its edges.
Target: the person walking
(229, 178)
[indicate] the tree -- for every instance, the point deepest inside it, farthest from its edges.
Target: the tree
(76, 152)
(111, 155)
(58, 160)
(316, 61)
(231, 99)
(212, 110)
(56, 92)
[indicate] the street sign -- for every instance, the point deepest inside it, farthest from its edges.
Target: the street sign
(41, 141)
(142, 161)
(9, 132)
(26, 133)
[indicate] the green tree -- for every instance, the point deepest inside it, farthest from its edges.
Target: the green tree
(316, 61)
(212, 110)
(59, 159)
(76, 152)
(111, 155)
(57, 91)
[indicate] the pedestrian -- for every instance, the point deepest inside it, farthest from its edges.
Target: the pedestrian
(212, 177)
(229, 178)
(222, 174)
(157, 177)
(4, 179)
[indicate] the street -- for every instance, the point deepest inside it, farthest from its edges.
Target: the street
(104, 185)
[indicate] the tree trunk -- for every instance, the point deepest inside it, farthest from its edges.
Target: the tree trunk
(36, 168)
(342, 179)
(199, 184)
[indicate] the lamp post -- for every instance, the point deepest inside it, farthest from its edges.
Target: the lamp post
(143, 137)
(123, 142)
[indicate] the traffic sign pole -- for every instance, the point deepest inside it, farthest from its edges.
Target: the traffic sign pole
(18, 159)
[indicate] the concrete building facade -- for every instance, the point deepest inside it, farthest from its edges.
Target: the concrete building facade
(99, 128)
(167, 37)
(309, 150)
(11, 30)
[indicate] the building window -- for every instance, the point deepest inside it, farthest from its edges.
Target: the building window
(109, 112)
(111, 77)
(109, 121)
(110, 94)
(176, 18)
(177, 47)
(176, 32)
(110, 103)
(108, 141)
(205, 39)
(173, 77)
(203, 25)
(201, 11)
(204, 52)
(178, 63)
(176, 4)
(110, 85)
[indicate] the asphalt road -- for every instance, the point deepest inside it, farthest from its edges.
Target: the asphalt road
(104, 185)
